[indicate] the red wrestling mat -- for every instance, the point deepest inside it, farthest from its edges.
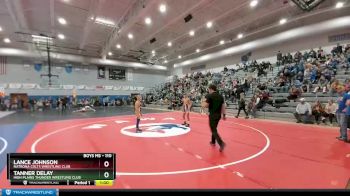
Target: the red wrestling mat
(259, 154)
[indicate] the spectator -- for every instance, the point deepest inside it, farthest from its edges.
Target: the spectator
(348, 114)
(297, 57)
(334, 51)
(313, 76)
(252, 106)
(347, 48)
(303, 112)
(270, 67)
(328, 74)
(282, 81)
(300, 76)
(298, 84)
(279, 58)
(339, 49)
(332, 63)
(335, 87)
(341, 113)
(306, 56)
(242, 105)
(347, 55)
(322, 84)
(7, 103)
(202, 110)
(289, 58)
(320, 53)
(225, 69)
(31, 105)
(14, 104)
(330, 111)
(318, 111)
(307, 79)
(240, 92)
(312, 54)
(40, 105)
(294, 93)
(261, 87)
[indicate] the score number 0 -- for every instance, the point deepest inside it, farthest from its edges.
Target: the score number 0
(106, 164)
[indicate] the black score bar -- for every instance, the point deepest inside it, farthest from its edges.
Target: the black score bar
(63, 183)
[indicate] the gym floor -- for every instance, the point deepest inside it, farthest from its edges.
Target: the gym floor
(260, 154)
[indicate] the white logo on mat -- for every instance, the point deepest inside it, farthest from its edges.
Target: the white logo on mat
(145, 119)
(169, 119)
(95, 126)
(156, 130)
(121, 121)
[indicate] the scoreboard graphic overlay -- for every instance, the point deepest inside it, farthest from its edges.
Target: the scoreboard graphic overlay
(86, 169)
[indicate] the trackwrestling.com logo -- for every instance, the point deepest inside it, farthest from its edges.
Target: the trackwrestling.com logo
(156, 130)
(32, 192)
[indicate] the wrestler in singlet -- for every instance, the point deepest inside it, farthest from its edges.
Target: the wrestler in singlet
(138, 113)
(186, 108)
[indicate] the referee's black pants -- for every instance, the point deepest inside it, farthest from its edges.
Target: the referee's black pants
(213, 123)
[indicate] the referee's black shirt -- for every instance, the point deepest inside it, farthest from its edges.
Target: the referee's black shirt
(215, 101)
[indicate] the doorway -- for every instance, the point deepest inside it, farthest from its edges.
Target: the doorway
(19, 101)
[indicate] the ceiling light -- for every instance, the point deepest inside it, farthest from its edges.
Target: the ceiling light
(192, 33)
(130, 36)
(222, 42)
(0, 29)
(162, 8)
(7, 40)
(153, 52)
(61, 36)
(339, 5)
(104, 21)
(198, 50)
(119, 46)
(254, 3)
(165, 61)
(170, 44)
(180, 57)
(110, 53)
(62, 21)
(283, 21)
(148, 20)
(240, 36)
(209, 25)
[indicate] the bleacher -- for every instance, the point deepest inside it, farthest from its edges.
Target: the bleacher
(286, 110)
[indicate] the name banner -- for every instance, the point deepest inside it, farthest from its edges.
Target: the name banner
(108, 87)
(117, 88)
(125, 88)
(29, 86)
(90, 87)
(140, 88)
(68, 87)
(15, 86)
(80, 87)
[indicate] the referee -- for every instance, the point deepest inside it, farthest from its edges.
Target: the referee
(215, 102)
